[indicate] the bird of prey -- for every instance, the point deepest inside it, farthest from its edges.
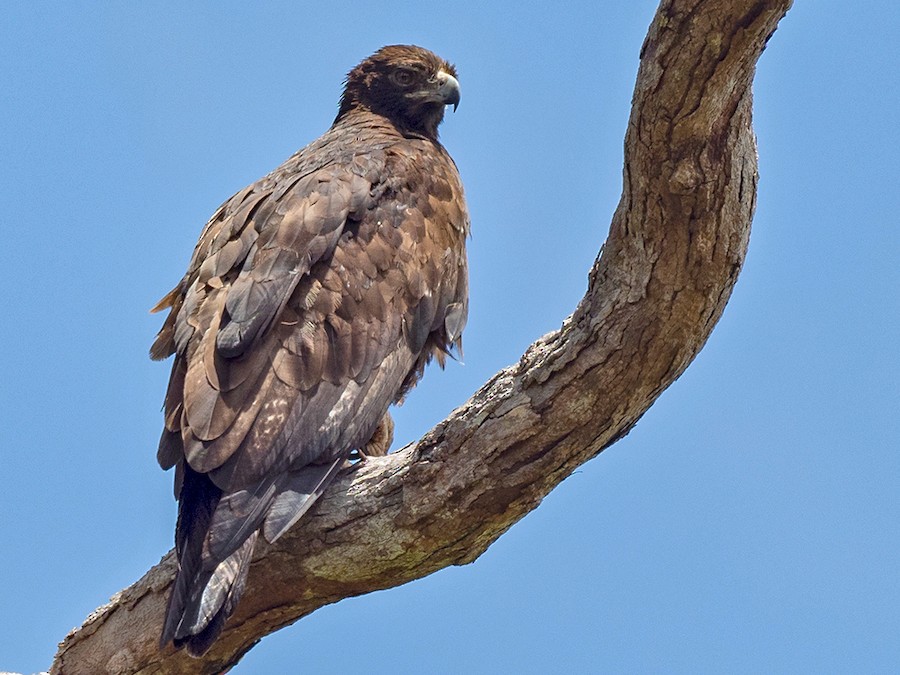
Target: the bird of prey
(314, 299)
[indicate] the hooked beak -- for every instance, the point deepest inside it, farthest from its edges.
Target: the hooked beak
(448, 89)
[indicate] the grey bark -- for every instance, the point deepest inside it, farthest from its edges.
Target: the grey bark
(676, 244)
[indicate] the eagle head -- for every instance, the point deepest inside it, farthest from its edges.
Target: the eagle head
(409, 85)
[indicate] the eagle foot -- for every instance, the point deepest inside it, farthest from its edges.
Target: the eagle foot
(381, 440)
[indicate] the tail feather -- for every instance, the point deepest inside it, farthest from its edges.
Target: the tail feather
(206, 589)
(300, 491)
(214, 541)
(196, 504)
(205, 616)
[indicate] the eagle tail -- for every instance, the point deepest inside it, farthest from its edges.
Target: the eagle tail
(215, 549)
(205, 592)
(207, 611)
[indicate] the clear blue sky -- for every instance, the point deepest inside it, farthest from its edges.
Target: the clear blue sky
(751, 521)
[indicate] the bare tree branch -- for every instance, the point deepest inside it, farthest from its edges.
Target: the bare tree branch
(676, 244)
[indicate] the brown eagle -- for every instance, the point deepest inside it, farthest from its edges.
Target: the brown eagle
(313, 301)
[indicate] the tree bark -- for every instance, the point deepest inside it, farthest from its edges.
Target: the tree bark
(676, 244)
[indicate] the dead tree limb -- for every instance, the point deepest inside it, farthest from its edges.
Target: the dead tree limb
(676, 244)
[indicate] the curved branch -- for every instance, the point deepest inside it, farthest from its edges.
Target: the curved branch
(676, 244)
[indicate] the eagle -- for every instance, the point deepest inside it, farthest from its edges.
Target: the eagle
(313, 301)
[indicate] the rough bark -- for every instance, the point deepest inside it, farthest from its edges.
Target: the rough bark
(676, 244)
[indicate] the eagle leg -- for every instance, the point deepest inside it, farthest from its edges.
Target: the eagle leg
(381, 440)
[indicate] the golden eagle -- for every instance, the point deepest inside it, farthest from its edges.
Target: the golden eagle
(313, 301)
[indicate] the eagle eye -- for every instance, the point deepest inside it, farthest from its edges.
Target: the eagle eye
(403, 77)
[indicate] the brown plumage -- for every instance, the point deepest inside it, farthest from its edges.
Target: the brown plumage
(313, 301)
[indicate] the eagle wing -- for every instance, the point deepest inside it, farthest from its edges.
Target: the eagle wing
(313, 301)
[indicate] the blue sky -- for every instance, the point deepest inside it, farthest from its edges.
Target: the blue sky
(750, 522)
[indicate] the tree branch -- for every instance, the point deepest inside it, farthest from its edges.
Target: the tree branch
(676, 244)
